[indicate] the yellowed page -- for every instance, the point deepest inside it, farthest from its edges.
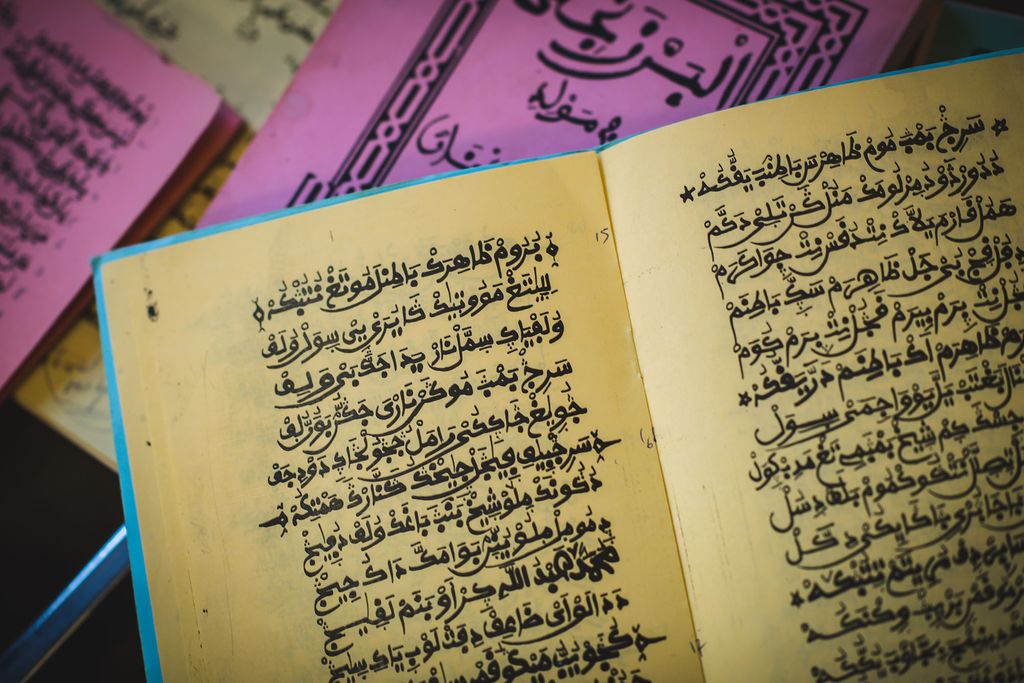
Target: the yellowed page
(403, 436)
(68, 391)
(247, 49)
(826, 294)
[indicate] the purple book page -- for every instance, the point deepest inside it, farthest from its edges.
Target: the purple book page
(92, 123)
(400, 89)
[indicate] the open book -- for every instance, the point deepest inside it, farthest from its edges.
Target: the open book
(411, 435)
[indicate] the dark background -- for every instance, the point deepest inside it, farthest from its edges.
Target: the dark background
(58, 508)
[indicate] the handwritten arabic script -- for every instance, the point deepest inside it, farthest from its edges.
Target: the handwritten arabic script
(63, 122)
(445, 492)
(875, 304)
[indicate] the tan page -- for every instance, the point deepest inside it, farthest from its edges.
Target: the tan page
(247, 49)
(404, 436)
(68, 390)
(826, 295)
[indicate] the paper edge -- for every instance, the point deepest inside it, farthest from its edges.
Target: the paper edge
(200, 233)
(140, 582)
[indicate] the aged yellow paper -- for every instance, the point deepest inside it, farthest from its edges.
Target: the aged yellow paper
(826, 293)
(68, 391)
(403, 436)
(247, 49)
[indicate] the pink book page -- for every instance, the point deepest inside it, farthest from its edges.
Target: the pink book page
(92, 123)
(400, 89)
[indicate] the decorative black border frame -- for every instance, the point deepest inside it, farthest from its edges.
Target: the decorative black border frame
(810, 39)
(807, 41)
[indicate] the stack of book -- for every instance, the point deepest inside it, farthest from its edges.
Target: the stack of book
(527, 340)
